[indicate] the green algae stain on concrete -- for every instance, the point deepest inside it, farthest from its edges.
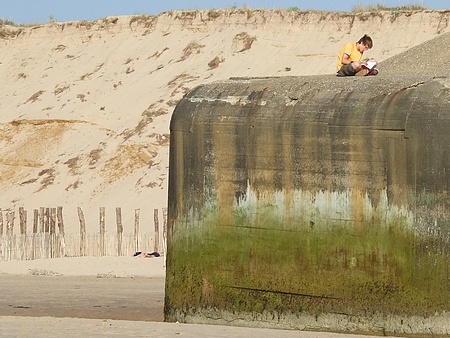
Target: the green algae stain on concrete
(385, 269)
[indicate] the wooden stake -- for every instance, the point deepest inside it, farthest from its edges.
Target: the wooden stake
(119, 231)
(82, 232)
(42, 218)
(23, 220)
(35, 231)
(35, 220)
(1, 222)
(136, 230)
(59, 216)
(10, 223)
(102, 231)
(62, 242)
(47, 220)
(156, 220)
(52, 221)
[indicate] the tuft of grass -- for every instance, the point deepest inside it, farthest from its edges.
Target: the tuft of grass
(39, 272)
(7, 22)
(294, 9)
(380, 7)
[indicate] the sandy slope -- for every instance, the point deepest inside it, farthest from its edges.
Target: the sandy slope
(85, 108)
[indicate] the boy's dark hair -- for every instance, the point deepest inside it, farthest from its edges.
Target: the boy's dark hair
(366, 40)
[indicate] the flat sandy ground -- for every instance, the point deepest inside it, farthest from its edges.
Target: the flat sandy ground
(101, 297)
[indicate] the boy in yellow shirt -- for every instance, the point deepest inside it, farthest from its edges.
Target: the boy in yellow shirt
(349, 59)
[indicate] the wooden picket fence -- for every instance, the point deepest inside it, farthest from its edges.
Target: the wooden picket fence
(48, 238)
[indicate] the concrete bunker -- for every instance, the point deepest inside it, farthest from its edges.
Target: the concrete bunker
(312, 203)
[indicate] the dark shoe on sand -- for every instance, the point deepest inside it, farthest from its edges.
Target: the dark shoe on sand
(372, 72)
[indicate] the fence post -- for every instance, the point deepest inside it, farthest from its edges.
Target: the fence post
(9, 233)
(136, 230)
(47, 232)
(119, 231)
(62, 242)
(1, 222)
(82, 232)
(47, 220)
(60, 220)
(23, 220)
(42, 219)
(52, 229)
(23, 233)
(102, 232)
(156, 220)
(52, 221)
(35, 221)
(35, 231)
(10, 223)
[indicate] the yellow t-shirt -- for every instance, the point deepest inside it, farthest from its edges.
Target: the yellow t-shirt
(351, 50)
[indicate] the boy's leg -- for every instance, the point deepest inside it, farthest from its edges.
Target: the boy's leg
(346, 70)
(362, 72)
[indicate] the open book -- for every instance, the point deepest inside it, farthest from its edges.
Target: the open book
(371, 64)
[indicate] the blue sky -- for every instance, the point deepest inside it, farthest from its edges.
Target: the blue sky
(40, 11)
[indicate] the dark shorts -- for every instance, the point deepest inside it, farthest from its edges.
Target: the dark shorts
(346, 70)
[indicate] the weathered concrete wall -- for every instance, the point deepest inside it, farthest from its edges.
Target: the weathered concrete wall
(311, 203)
